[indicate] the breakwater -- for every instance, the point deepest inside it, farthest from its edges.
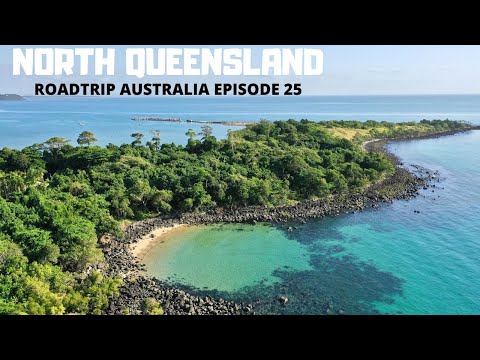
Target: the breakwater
(206, 122)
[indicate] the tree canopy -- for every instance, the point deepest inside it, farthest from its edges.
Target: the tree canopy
(86, 138)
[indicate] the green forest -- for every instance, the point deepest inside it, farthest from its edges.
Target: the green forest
(58, 198)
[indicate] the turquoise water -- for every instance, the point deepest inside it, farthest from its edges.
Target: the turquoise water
(36, 119)
(388, 260)
(228, 248)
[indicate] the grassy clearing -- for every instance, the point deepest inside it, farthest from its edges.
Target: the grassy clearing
(358, 131)
(346, 133)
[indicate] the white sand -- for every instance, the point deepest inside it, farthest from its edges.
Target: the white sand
(145, 244)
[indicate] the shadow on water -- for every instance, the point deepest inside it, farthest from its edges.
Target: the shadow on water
(336, 284)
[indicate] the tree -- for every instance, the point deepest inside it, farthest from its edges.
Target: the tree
(191, 134)
(36, 147)
(160, 199)
(98, 289)
(14, 160)
(156, 139)
(231, 139)
(206, 132)
(152, 307)
(37, 245)
(41, 289)
(56, 143)
(53, 147)
(336, 180)
(209, 141)
(138, 139)
(11, 182)
(78, 242)
(139, 191)
(86, 138)
(264, 127)
(11, 257)
(34, 175)
(192, 142)
(311, 182)
(120, 205)
(201, 198)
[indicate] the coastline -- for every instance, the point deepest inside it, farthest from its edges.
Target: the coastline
(145, 244)
(369, 144)
(403, 184)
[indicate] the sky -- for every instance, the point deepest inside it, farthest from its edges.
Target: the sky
(348, 70)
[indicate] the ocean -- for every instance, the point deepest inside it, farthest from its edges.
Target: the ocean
(388, 260)
(37, 119)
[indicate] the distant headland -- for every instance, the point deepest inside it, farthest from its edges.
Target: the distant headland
(13, 97)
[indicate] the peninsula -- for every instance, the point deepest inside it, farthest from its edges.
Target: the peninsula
(69, 214)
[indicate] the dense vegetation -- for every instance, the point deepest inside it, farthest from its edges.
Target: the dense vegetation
(57, 200)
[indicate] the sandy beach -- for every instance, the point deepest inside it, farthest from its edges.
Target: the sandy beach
(146, 243)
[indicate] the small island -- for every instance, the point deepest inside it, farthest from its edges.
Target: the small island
(70, 215)
(11, 97)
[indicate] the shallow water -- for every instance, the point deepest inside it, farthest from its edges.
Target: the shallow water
(227, 248)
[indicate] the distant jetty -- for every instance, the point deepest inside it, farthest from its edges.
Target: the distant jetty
(12, 97)
(213, 122)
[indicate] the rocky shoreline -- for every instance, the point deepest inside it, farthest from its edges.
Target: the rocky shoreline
(403, 184)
